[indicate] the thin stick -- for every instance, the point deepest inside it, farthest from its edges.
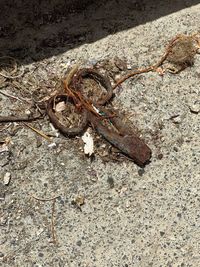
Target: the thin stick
(45, 199)
(38, 132)
(18, 119)
(71, 74)
(53, 222)
(4, 128)
(15, 97)
(53, 232)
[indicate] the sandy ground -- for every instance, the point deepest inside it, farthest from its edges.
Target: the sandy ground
(131, 216)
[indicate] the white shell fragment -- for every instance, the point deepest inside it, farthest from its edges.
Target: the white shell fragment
(177, 119)
(195, 107)
(96, 109)
(89, 143)
(6, 178)
(60, 106)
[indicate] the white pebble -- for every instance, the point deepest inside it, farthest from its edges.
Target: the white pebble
(6, 178)
(195, 108)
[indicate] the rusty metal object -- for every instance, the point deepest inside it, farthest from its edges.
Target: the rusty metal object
(127, 142)
(73, 131)
(103, 80)
(119, 136)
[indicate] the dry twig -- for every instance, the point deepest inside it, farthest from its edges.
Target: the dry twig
(45, 199)
(18, 119)
(16, 97)
(53, 199)
(38, 132)
(53, 222)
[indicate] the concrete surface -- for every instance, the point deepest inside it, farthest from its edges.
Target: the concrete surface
(131, 216)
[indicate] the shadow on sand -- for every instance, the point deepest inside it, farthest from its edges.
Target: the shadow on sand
(34, 30)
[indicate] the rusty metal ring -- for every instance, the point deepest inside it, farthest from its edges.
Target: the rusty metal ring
(103, 80)
(57, 124)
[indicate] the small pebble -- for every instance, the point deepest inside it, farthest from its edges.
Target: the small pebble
(110, 181)
(160, 156)
(40, 254)
(78, 201)
(117, 76)
(128, 204)
(52, 145)
(162, 233)
(195, 108)
(141, 171)
(6, 178)
(1, 255)
(177, 119)
(79, 243)
(27, 112)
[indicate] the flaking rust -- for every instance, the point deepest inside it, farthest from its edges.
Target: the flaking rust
(137, 150)
(129, 144)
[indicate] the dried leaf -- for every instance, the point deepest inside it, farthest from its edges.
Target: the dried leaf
(89, 143)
